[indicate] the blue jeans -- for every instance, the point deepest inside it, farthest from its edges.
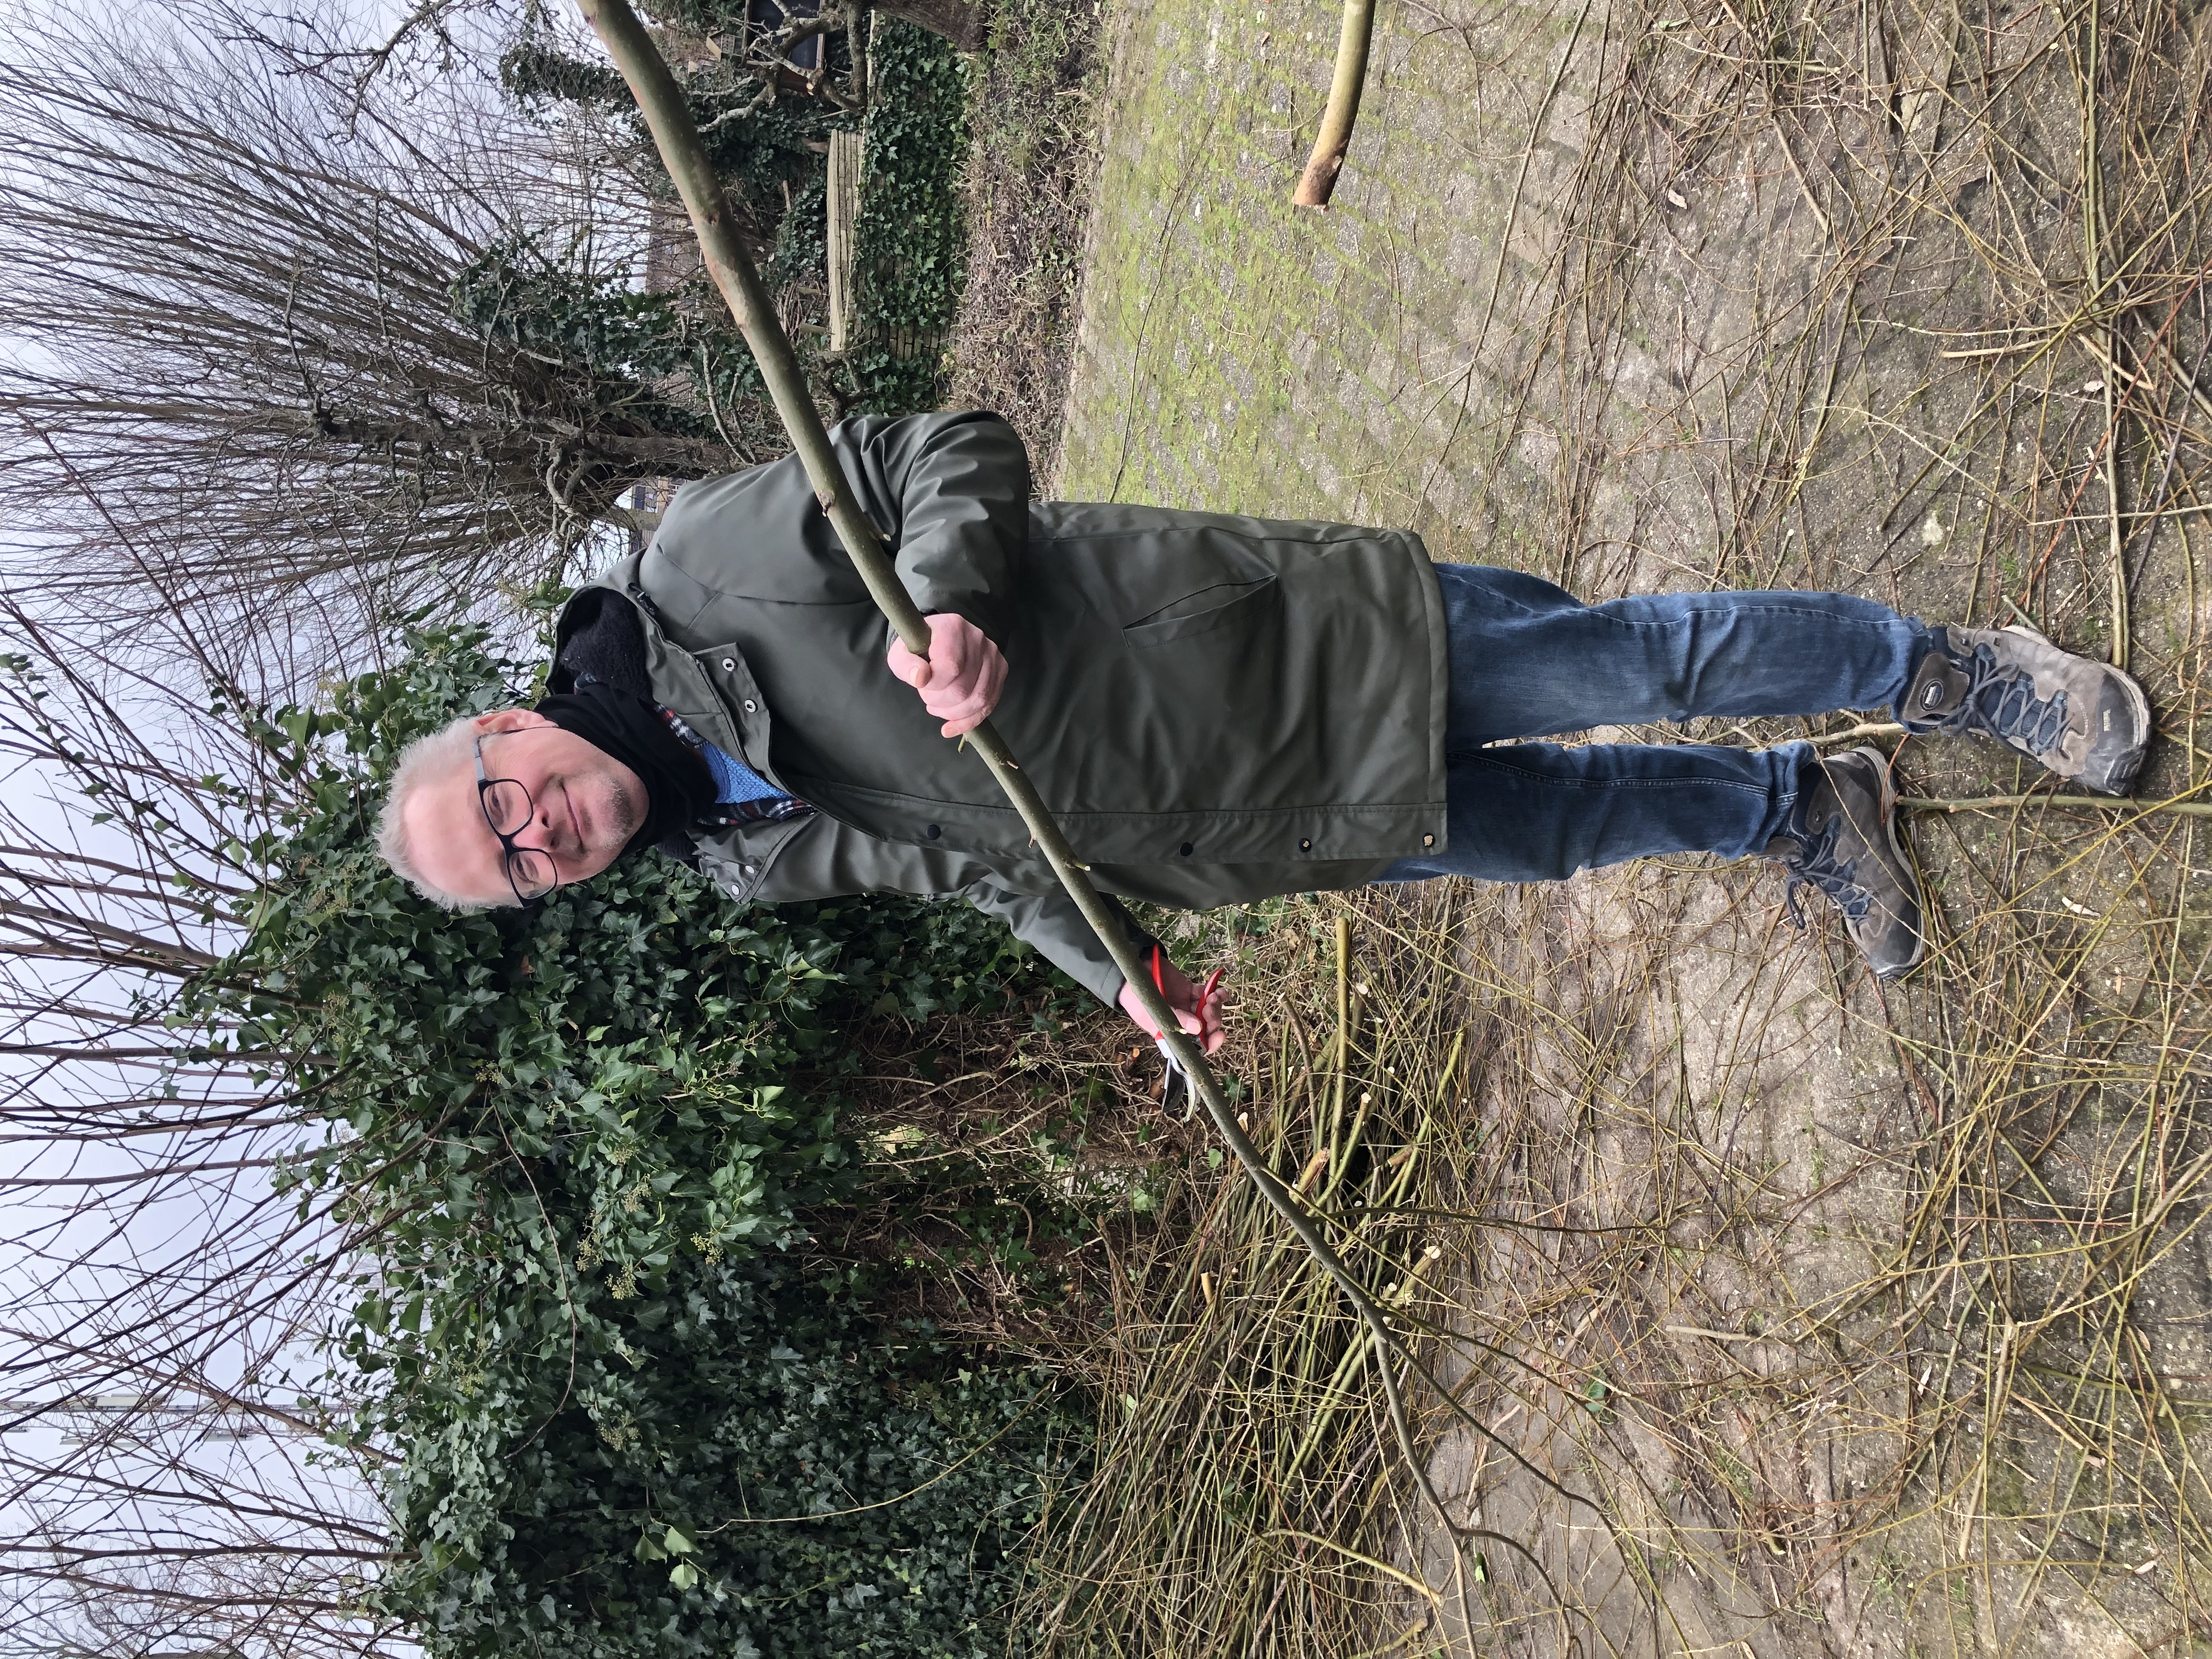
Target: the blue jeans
(1528, 659)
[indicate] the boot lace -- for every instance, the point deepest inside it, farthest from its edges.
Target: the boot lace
(1815, 864)
(2002, 701)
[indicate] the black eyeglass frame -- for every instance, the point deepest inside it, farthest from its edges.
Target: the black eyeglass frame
(509, 852)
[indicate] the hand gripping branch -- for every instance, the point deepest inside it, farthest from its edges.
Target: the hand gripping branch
(677, 139)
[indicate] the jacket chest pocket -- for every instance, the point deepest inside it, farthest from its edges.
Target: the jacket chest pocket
(1227, 605)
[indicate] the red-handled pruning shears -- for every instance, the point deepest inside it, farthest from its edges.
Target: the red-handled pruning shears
(1207, 993)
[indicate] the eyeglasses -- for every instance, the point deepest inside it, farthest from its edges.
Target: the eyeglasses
(508, 809)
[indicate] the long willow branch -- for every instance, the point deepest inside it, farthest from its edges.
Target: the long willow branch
(678, 140)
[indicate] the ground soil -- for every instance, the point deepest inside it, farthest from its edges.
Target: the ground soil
(1814, 1316)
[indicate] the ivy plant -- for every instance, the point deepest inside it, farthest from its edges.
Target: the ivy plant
(634, 1410)
(911, 234)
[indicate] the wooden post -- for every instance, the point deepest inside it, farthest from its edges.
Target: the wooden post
(844, 194)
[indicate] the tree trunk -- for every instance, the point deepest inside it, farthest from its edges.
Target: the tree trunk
(961, 21)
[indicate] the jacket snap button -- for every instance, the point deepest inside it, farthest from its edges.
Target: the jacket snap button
(932, 832)
(729, 664)
(749, 869)
(1428, 840)
(750, 707)
(1306, 847)
(1185, 849)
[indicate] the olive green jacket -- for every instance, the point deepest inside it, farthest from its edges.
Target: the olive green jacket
(1215, 708)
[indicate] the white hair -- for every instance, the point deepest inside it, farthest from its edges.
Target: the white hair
(428, 760)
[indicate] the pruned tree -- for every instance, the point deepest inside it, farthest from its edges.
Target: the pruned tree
(298, 345)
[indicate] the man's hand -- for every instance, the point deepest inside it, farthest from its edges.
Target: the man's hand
(960, 678)
(1202, 1023)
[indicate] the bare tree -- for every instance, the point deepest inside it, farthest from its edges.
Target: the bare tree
(166, 1487)
(240, 354)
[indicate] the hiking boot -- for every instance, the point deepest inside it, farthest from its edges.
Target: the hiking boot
(2085, 720)
(1843, 840)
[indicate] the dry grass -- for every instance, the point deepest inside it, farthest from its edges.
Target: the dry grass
(1244, 1500)
(1702, 1387)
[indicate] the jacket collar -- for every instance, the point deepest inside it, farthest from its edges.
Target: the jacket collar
(712, 689)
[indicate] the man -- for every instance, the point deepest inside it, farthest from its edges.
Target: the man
(1216, 709)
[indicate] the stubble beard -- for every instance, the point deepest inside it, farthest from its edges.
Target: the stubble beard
(627, 814)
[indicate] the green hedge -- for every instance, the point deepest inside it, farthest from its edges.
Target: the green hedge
(637, 1411)
(910, 234)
